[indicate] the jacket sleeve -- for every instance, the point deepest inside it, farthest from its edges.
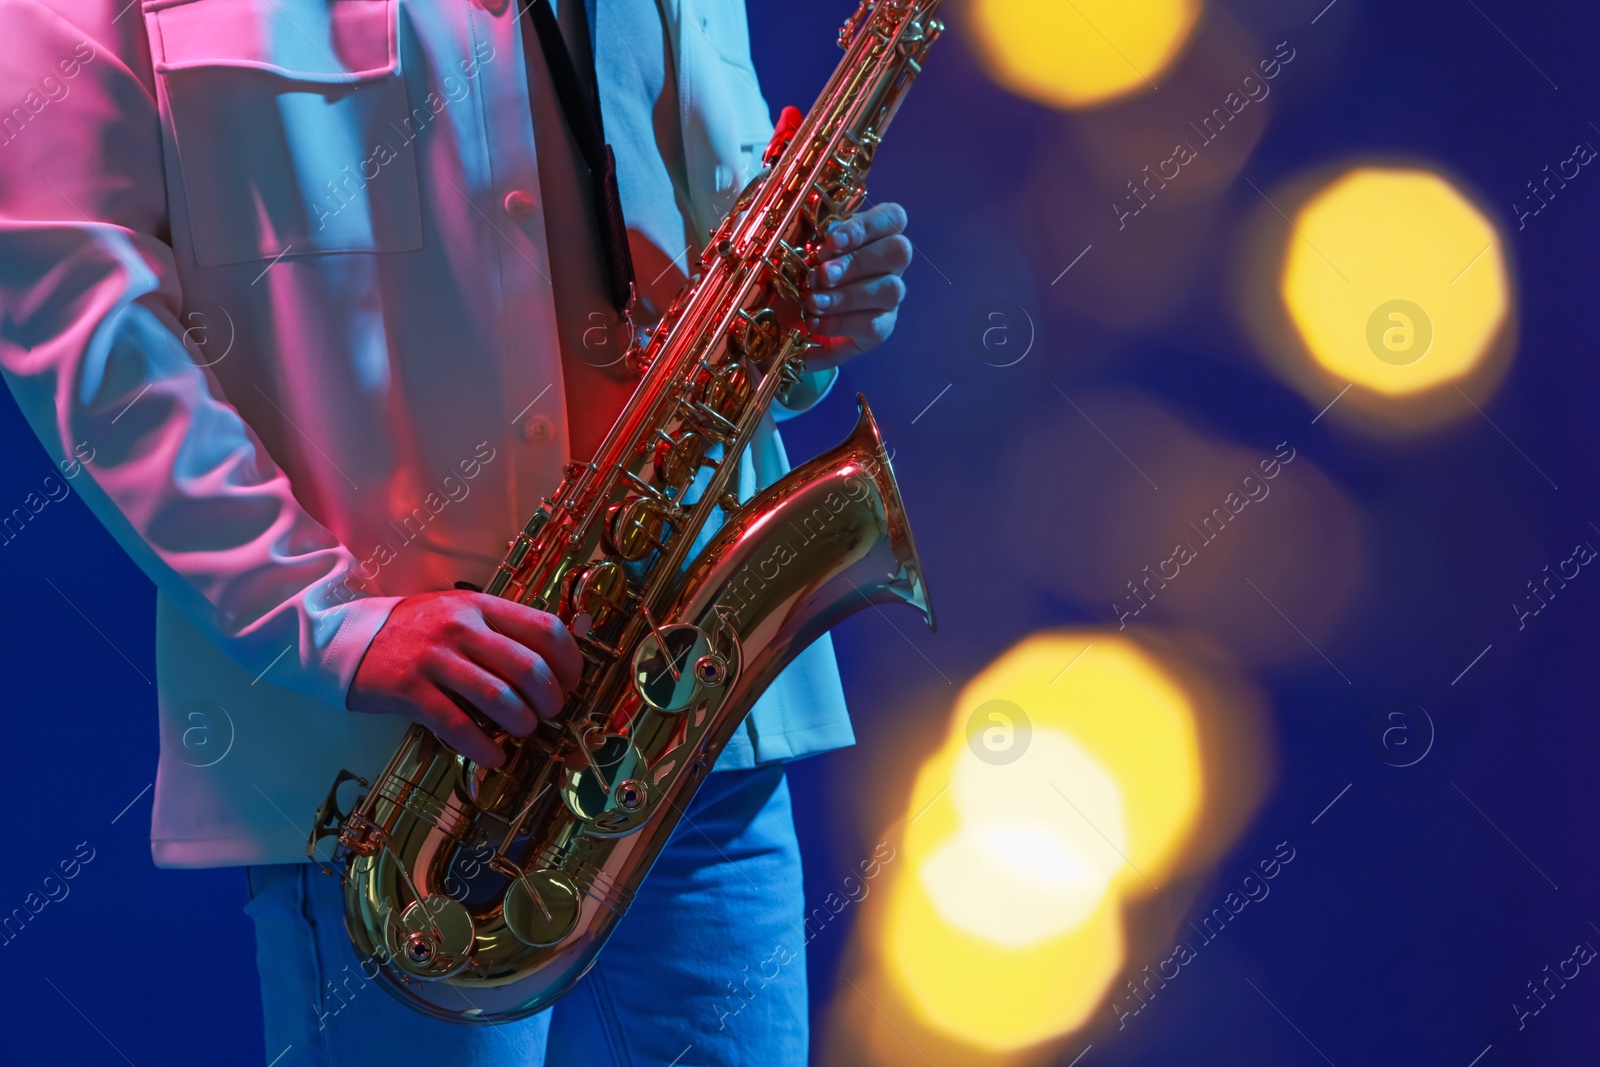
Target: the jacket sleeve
(805, 394)
(93, 351)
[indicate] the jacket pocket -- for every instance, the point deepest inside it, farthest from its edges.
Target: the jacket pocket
(284, 114)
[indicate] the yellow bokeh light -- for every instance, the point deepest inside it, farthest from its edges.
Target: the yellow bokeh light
(1057, 866)
(1394, 281)
(1081, 53)
(1004, 926)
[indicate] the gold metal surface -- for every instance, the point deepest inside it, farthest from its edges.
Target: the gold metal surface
(561, 836)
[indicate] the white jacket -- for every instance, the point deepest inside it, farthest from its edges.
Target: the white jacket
(275, 271)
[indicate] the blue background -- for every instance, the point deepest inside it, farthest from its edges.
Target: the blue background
(1408, 923)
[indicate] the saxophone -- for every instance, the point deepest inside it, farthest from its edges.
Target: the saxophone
(483, 895)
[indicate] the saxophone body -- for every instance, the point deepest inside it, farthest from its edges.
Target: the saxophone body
(483, 895)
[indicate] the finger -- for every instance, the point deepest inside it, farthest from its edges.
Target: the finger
(525, 670)
(883, 293)
(863, 329)
(864, 227)
(887, 255)
(439, 713)
(831, 352)
(491, 695)
(538, 630)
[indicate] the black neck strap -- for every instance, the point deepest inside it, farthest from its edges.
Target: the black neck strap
(582, 112)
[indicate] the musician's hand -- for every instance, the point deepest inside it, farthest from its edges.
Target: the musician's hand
(508, 661)
(855, 295)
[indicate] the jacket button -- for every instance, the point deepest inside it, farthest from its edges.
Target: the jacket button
(538, 430)
(519, 203)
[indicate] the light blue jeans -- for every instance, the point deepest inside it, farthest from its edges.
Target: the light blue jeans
(707, 968)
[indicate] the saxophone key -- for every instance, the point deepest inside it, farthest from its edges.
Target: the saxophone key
(600, 590)
(541, 907)
(678, 459)
(602, 785)
(637, 527)
(432, 938)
